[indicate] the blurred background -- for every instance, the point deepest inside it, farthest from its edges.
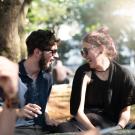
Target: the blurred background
(71, 20)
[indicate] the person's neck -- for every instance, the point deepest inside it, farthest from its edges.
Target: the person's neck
(105, 66)
(31, 67)
(103, 71)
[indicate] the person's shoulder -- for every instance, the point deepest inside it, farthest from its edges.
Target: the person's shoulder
(122, 70)
(82, 70)
(119, 67)
(84, 67)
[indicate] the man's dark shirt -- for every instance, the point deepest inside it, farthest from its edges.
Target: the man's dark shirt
(38, 90)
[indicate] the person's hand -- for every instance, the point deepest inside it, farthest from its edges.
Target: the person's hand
(9, 85)
(8, 80)
(29, 111)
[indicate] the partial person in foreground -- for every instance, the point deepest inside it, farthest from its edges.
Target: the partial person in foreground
(103, 91)
(9, 89)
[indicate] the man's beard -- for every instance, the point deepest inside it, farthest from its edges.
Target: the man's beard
(43, 65)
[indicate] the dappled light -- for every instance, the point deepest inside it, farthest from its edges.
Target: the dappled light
(94, 40)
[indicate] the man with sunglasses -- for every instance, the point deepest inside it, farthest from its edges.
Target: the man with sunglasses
(36, 83)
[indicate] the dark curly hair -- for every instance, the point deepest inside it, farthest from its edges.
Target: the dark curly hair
(41, 39)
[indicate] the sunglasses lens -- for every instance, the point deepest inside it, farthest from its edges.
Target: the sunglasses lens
(54, 51)
(84, 52)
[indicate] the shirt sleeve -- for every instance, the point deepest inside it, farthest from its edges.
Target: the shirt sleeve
(128, 89)
(76, 89)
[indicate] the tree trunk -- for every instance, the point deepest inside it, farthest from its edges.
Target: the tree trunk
(21, 30)
(11, 25)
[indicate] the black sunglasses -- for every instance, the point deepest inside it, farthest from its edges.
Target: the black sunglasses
(52, 51)
(84, 51)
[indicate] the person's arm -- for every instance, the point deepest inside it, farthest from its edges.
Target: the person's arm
(81, 117)
(8, 83)
(124, 117)
(7, 121)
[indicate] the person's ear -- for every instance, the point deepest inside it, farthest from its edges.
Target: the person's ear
(37, 52)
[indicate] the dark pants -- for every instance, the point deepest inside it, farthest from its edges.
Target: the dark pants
(34, 130)
(74, 126)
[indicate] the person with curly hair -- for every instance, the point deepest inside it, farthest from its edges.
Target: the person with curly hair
(103, 91)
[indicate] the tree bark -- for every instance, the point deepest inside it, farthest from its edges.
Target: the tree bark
(11, 25)
(21, 25)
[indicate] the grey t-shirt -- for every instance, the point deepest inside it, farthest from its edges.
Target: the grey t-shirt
(21, 93)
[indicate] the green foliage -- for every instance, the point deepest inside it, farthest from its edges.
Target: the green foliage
(89, 14)
(51, 13)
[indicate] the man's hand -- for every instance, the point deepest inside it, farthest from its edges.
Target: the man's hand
(29, 111)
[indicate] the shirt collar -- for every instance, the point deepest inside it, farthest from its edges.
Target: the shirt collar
(22, 70)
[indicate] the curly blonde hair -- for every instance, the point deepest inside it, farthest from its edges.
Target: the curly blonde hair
(102, 37)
